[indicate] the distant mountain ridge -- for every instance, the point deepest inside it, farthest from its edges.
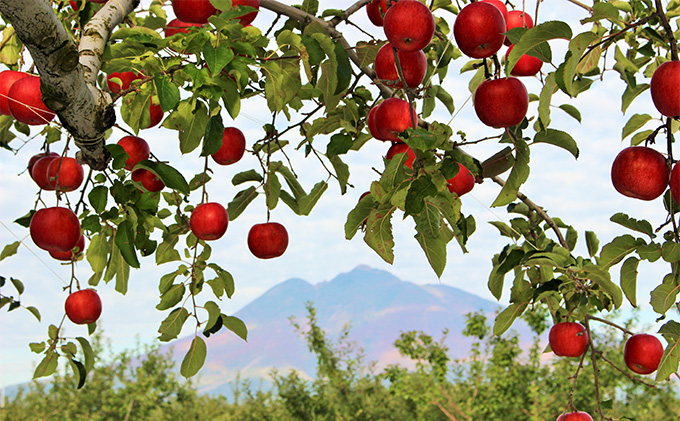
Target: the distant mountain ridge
(377, 304)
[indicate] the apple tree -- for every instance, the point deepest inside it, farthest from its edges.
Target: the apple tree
(330, 87)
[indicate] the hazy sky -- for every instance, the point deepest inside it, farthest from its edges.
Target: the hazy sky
(578, 191)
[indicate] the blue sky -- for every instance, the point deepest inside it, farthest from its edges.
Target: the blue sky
(578, 191)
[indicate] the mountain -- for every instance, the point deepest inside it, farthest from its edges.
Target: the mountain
(377, 304)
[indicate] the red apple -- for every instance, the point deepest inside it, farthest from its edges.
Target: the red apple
(136, 148)
(176, 26)
(675, 183)
(568, 339)
(664, 88)
(501, 102)
(526, 65)
(642, 353)
(233, 147)
(370, 121)
(7, 79)
(25, 102)
(148, 179)
(249, 17)
(71, 174)
(376, 11)
(479, 29)
(267, 240)
(126, 79)
(70, 254)
(193, 11)
(209, 221)
(462, 182)
(39, 171)
(413, 66)
(83, 307)
(640, 172)
(392, 117)
(399, 148)
(575, 416)
(35, 158)
(517, 19)
(500, 5)
(409, 25)
(55, 229)
(155, 115)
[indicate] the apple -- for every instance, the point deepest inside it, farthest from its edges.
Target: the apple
(155, 115)
(7, 79)
(526, 65)
(209, 221)
(479, 29)
(36, 157)
(500, 5)
(640, 172)
(193, 11)
(399, 148)
(25, 102)
(176, 26)
(72, 254)
(413, 66)
(517, 19)
(267, 240)
(568, 339)
(136, 148)
(675, 183)
(376, 11)
(71, 174)
(55, 229)
(392, 117)
(126, 79)
(39, 171)
(575, 416)
(249, 17)
(409, 25)
(642, 353)
(664, 88)
(370, 121)
(501, 102)
(148, 179)
(233, 147)
(462, 182)
(83, 307)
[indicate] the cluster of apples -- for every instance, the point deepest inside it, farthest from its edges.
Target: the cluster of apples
(642, 352)
(52, 172)
(20, 98)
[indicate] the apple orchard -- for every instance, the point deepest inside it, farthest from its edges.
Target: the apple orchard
(107, 201)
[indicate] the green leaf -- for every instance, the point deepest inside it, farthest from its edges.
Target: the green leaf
(539, 34)
(98, 197)
(670, 251)
(603, 279)
(171, 297)
(124, 240)
(549, 89)
(79, 372)
(216, 58)
(341, 172)
(637, 121)
(171, 327)
(273, 190)
(168, 92)
(435, 248)
(88, 353)
(307, 203)
(642, 226)
(17, 285)
(213, 314)
(223, 283)
(670, 360)
(568, 70)
(506, 317)
(663, 297)
(34, 311)
(190, 120)
(37, 347)
(340, 144)
(9, 250)
(630, 94)
(420, 189)
(498, 163)
(169, 175)
(572, 111)
(558, 138)
(214, 132)
(194, 358)
(592, 243)
(245, 176)
(166, 252)
(518, 175)
(629, 279)
(236, 325)
(98, 253)
(241, 201)
(358, 216)
(378, 234)
(47, 366)
(617, 249)
(282, 81)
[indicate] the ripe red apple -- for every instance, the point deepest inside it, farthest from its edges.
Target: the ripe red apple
(25, 102)
(233, 147)
(501, 102)
(39, 171)
(136, 148)
(517, 19)
(575, 416)
(409, 25)
(126, 79)
(176, 26)
(640, 172)
(209, 221)
(413, 65)
(376, 11)
(148, 179)
(155, 115)
(267, 240)
(83, 307)
(462, 182)
(36, 157)
(193, 11)
(500, 5)
(55, 229)
(392, 117)
(7, 79)
(249, 17)
(399, 148)
(642, 353)
(664, 88)
(370, 121)
(70, 254)
(568, 339)
(526, 65)
(479, 29)
(71, 174)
